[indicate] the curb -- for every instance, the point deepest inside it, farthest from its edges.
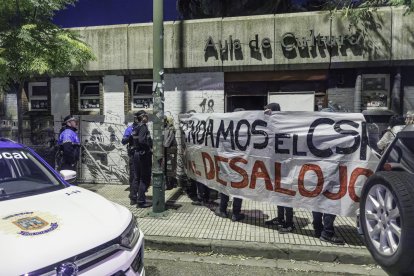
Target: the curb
(265, 250)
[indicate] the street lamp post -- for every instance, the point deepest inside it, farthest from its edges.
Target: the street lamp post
(158, 187)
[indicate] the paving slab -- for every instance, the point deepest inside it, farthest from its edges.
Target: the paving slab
(189, 227)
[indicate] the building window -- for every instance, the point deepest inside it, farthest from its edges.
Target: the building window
(38, 96)
(375, 91)
(142, 94)
(88, 95)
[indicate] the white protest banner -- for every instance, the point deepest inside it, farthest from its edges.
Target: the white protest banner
(313, 160)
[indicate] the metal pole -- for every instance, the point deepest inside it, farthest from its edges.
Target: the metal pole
(158, 187)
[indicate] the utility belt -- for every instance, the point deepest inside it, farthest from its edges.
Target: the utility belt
(130, 150)
(140, 150)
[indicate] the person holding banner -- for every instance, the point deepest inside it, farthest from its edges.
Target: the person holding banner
(397, 123)
(203, 194)
(409, 117)
(324, 228)
(224, 200)
(284, 214)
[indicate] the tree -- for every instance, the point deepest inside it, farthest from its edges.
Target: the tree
(31, 45)
(191, 9)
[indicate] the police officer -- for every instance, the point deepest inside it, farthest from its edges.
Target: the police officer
(127, 140)
(69, 144)
(142, 144)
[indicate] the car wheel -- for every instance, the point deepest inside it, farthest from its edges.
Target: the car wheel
(387, 220)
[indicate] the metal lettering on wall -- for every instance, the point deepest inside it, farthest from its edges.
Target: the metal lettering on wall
(306, 46)
(292, 45)
(231, 49)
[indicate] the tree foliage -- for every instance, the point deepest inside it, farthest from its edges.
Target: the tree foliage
(31, 45)
(359, 11)
(190, 9)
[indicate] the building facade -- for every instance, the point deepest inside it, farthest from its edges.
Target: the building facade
(305, 61)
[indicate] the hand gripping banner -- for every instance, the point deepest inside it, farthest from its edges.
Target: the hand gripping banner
(313, 160)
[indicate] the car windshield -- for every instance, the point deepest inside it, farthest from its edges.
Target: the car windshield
(22, 174)
(401, 154)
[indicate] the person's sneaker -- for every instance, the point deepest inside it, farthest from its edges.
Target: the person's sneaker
(197, 203)
(144, 205)
(318, 234)
(287, 229)
(275, 222)
(238, 217)
(334, 240)
(132, 202)
(220, 213)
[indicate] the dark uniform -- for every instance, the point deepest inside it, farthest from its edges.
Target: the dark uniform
(69, 146)
(127, 140)
(142, 161)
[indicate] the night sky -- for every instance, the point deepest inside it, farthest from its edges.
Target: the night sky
(109, 12)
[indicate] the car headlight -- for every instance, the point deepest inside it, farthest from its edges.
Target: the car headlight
(130, 236)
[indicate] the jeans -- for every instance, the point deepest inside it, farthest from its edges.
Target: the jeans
(203, 192)
(281, 211)
(323, 224)
(224, 201)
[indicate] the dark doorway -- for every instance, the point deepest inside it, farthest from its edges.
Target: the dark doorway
(246, 102)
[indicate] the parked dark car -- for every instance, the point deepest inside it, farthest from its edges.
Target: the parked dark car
(387, 207)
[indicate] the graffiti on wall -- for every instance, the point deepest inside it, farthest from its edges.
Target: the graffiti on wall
(207, 103)
(38, 133)
(210, 105)
(104, 159)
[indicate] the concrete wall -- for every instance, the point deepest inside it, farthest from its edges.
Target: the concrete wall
(8, 122)
(109, 44)
(408, 98)
(113, 87)
(342, 96)
(194, 34)
(139, 46)
(187, 91)
(250, 31)
(11, 104)
(375, 44)
(60, 100)
(402, 36)
(313, 40)
(201, 92)
(301, 26)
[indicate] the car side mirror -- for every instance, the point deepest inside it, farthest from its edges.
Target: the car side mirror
(68, 175)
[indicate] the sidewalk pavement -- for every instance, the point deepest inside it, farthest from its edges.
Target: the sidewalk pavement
(186, 227)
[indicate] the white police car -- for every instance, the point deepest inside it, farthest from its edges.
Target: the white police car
(48, 227)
